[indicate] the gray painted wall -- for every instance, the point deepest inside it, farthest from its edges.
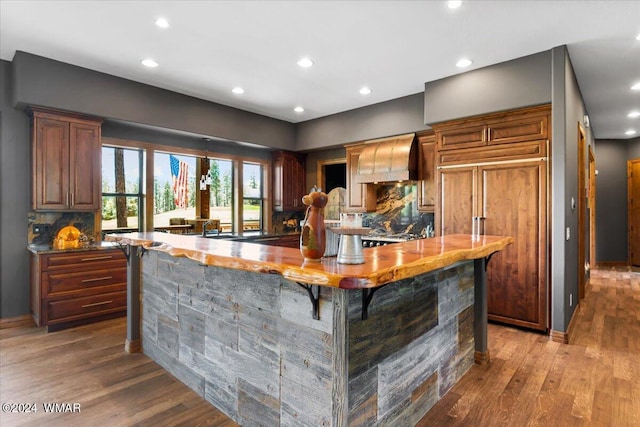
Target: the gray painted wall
(611, 201)
(513, 84)
(565, 187)
(401, 115)
(48, 83)
(634, 148)
(15, 196)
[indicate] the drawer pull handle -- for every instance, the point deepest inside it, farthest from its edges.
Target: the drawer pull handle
(97, 279)
(97, 303)
(95, 258)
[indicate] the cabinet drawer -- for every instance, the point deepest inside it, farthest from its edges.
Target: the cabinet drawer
(526, 129)
(92, 281)
(466, 137)
(109, 258)
(77, 308)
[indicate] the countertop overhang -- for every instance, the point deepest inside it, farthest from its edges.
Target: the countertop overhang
(383, 264)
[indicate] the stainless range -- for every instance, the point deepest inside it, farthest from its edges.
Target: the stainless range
(371, 240)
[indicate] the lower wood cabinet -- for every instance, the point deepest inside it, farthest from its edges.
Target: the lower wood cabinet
(72, 288)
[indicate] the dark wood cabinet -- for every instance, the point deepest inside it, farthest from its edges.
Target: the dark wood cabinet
(72, 288)
(360, 197)
(506, 184)
(289, 178)
(66, 162)
(426, 172)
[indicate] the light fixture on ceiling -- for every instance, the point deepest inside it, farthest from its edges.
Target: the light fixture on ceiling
(630, 132)
(305, 63)
(365, 90)
(298, 109)
(636, 86)
(237, 90)
(454, 4)
(633, 114)
(463, 63)
(162, 23)
(150, 63)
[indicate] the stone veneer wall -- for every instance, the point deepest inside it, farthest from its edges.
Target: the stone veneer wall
(248, 344)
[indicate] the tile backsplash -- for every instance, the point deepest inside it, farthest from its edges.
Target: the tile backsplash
(83, 221)
(396, 212)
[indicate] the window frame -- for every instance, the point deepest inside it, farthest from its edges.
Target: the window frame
(149, 150)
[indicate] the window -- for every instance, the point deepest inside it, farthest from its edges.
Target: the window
(252, 200)
(182, 189)
(221, 192)
(122, 184)
(168, 203)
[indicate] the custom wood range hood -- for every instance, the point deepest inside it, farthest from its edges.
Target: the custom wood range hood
(388, 160)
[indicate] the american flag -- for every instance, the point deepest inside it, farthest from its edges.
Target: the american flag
(179, 174)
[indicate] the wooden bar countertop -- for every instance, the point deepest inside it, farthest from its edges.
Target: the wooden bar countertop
(383, 264)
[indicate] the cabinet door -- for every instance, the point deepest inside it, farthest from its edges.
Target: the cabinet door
(427, 174)
(457, 200)
(360, 197)
(513, 202)
(51, 165)
(84, 167)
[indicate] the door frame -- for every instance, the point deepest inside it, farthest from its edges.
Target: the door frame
(629, 210)
(582, 193)
(592, 208)
(320, 170)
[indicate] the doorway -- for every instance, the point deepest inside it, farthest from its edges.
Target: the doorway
(332, 174)
(633, 206)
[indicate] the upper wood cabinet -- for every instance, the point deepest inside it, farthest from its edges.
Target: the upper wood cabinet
(529, 124)
(426, 172)
(288, 181)
(360, 197)
(66, 161)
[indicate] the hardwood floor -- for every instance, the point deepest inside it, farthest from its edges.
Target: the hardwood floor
(531, 380)
(88, 365)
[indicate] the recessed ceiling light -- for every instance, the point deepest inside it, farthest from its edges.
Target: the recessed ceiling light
(299, 110)
(463, 63)
(636, 86)
(237, 90)
(162, 23)
(305, 63)
(633, 114)
(630, 132)
(454, 4)
(365, 91)
(149, 63)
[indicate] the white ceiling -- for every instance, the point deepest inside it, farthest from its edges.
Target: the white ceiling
(394, 47)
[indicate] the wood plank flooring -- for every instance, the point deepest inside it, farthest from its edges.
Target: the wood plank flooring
(531, 381)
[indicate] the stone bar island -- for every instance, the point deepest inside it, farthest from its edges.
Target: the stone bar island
(270, 339)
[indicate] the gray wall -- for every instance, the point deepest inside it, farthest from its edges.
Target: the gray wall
(611, 197)
(513, 84)
(48, 83)
(401, 115)
(568, 111)
(634, 148)
(15, 196)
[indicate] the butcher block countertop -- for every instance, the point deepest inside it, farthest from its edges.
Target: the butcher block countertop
(383, 264)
